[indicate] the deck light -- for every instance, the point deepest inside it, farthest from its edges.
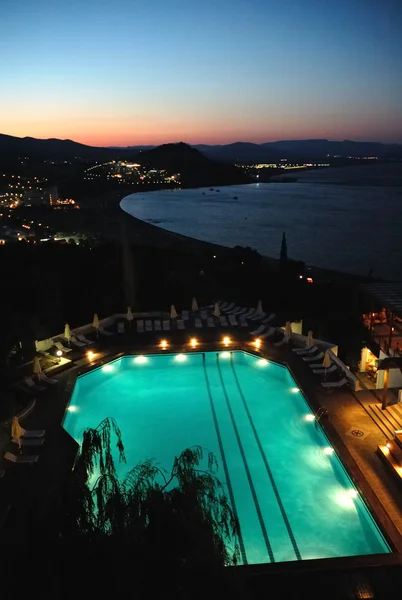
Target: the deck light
(59, 353)
(193, 342)
(164, 344)
(226, 341)
(90, 355)
(328, 450)
(257, 343)
(388, 444)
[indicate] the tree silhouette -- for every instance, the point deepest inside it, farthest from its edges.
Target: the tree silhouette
(284, 248)
(179, 520)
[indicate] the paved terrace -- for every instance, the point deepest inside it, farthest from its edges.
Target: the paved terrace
(26, 492)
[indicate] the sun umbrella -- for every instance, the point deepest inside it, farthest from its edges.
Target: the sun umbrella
(217, 312)
(173, 312)
(309, 340)
(36, 368)
(194, 304)
(16, 430)
(259, 308)
(288, 329)
(129, 315)
(326, 363)
(67, 332)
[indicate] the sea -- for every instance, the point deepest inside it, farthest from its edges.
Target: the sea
(347, 219)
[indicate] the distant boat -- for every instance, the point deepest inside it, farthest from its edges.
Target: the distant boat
(235, 198)
(203, 193)
(218, 190)
(211, 189)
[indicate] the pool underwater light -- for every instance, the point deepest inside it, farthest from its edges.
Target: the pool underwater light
(140, 359)
(108, 368)
(180, 357)
(309, 417)
(262, 362)
(328, 450)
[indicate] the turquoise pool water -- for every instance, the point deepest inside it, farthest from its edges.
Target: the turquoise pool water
(293, 498)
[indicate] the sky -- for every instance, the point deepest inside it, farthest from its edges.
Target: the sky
(207, 71)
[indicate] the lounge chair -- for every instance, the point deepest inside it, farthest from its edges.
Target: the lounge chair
(28, 441)
(148, 325)
(185, 315)
(284, 340)
(157, 325)
(104, 331)
(270, 331)
(223, 321)
(198, 323)
(204, 315)
(210, 322)
(258, 331)
(316, 357)
(258, 317)
(226, 306)
(249, 313)
(241, 312)
(43, 377)
(60, 346)
(34, 433)
(77, 342)
(233, 310)
(84, 339)
(33, 386)
(268, 319)
(306, 350)
(21, 458)
(334, 384)
(243, 322)
(322, 371)
(180, 324)
(120, 328)
(166, 325)
(140, 326)
(233, 320)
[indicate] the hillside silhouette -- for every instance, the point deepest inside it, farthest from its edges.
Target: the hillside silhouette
(194, 167)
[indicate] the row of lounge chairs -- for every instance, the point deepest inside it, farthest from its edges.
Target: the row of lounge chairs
(209, 322)
(311, 354)
(79, 341)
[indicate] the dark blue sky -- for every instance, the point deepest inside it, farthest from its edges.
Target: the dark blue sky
(133, 72)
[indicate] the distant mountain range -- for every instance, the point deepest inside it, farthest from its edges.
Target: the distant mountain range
(293, 150)
(12, 148)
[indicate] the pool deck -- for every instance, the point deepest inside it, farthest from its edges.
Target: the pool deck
(27, 491)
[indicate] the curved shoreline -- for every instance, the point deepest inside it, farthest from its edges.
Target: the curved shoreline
(144, 233)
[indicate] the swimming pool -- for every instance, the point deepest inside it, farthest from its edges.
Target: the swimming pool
(293, 498)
